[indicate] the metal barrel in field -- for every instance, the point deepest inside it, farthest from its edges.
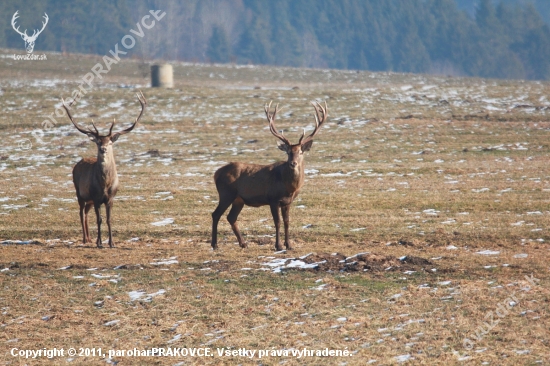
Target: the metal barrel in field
(162, 76)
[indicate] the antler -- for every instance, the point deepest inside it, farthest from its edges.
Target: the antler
(13, 19)
(321, 114)
(143, 103)
(34, 34)
(86, 132)
(271, 120)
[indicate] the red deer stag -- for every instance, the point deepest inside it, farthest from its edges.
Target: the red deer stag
(276, 185)
(96, 179)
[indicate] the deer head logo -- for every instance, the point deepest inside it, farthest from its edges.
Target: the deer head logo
(29, 40)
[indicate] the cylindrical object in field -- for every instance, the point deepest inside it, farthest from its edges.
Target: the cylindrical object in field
(162, 76)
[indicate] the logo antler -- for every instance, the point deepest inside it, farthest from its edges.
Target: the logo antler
(29, 40)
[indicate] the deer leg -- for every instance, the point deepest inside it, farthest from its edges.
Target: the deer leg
(82, 205)
(108, 207)
(236, 208)
(87, 234)
(216, 215)
(98, 216)
(277, 221)
(285, 211)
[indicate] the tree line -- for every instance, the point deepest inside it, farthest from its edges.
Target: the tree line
(500, 39)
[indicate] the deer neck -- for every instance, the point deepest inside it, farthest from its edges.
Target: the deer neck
(293, 177)
(106, 163)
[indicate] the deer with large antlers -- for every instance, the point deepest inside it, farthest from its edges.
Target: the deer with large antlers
(276, 185)
(96, 179)
(29, 40)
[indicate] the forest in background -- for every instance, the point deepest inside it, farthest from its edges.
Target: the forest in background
(542, 6)
(486, 38)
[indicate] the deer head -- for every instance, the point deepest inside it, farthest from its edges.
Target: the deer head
(29, 40)
(295, 151)
(105, 143)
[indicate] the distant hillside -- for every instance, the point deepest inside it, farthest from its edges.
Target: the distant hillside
(542, 6)
(507, 40)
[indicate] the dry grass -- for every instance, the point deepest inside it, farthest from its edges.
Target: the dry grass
(407, 165)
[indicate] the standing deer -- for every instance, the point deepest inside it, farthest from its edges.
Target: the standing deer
(276, 185)
(96, 179)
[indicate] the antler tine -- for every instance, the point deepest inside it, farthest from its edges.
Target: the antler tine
(43, 25)
(13, 19)
(277, 109)
(141, 97)
(320, 111)
(95, 128)
(302, 137)
(320, 117)
(271, 120)
(86, 132)
(111, 129)
(143, 103)
(316, 115)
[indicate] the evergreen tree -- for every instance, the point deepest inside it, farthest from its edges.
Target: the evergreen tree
(254, 45)
(218, 46)
(485, 14)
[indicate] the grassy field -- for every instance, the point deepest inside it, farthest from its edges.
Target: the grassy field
(442, 183)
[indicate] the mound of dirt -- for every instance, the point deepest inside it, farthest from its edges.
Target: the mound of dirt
(366, 262)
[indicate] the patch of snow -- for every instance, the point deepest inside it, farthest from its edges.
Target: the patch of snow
(164, 222)
(488, 252)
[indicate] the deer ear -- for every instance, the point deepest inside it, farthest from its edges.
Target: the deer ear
(307, 146)
(115, 137)
(283, 147)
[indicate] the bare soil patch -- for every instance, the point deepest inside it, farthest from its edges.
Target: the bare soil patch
(364, 262)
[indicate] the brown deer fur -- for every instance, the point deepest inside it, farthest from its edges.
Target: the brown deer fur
(96, 179)
(276, 185)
